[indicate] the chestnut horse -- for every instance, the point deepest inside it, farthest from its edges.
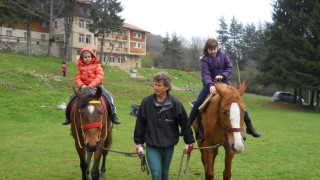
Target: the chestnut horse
(91, 129)
(222, 124)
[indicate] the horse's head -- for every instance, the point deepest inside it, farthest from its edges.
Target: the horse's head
(232, 111)
(91, 115)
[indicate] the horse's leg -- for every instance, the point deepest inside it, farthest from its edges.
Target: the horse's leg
(208, 157)
(103, 166)
(89, 155)
(95, 169)
(83, 163)
(228, 162)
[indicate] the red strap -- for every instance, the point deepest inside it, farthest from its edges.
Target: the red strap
(93, 125)
(105, 105)
(73, 106)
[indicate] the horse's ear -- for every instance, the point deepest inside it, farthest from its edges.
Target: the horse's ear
(243, 87)
(98, 93)
(218, 88)
(78, 94)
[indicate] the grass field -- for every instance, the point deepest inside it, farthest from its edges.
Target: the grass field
(34, 144)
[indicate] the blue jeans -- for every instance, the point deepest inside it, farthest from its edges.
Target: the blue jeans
(159, 160)
(201, 98)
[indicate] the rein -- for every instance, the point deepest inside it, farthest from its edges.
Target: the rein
(144, 165)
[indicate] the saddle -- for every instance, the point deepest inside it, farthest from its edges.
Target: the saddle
(73, 102)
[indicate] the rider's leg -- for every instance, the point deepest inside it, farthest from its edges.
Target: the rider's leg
(68, 109)
(250, 128)
(113, 116)
(201, 98)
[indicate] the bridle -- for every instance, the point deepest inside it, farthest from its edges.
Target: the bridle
(229, 130)
(89, 126)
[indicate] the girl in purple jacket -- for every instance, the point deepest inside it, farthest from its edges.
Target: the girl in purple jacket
(215, 66)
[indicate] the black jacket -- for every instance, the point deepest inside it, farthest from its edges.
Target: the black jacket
(158, 125)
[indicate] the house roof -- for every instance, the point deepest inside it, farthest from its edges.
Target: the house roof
(129, 26)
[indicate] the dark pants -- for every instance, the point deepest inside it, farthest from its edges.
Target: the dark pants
(64, 73)
(201, 98)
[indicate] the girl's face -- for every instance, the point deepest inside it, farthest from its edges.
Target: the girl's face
(87, 58)
(213, 51)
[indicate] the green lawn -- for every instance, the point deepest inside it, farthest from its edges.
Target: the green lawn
(34, 144)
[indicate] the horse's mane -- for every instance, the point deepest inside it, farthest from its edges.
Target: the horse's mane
(233, 94)
(87, 96)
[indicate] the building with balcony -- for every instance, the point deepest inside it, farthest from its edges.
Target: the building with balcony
(122, 48)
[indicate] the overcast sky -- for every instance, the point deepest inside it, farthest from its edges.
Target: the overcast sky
(190, 18)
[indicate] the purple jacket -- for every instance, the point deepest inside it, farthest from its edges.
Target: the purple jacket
(213, 66)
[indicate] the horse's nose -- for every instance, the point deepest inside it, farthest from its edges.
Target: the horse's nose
(91, 148)
(233, 148)
(237, 148)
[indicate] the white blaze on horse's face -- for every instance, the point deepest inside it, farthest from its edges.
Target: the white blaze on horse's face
(235, 122)
(91, 109)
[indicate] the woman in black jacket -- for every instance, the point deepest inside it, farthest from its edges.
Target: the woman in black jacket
(157, 125)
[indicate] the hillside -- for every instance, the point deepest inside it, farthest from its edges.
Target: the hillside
(34, 144)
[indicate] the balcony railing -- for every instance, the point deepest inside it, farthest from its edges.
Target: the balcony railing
(116, 36)
(115, 49)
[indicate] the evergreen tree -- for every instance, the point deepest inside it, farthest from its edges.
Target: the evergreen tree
(293, 59)
(222, 34)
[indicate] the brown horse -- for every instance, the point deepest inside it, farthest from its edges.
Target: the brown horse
(222, 124)
(91, 129)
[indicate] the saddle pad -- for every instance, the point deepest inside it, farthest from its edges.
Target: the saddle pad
(205, 103)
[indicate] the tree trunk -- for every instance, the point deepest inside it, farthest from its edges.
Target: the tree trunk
(311, 100)
(29, 39)
(102, 45)
(50, 30)
(317, 101)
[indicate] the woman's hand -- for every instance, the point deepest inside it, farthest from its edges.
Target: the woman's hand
(213, 90)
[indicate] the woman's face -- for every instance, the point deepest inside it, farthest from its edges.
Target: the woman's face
(87, 58)
(213, 51)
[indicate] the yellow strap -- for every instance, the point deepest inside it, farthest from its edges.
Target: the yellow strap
(94, 102)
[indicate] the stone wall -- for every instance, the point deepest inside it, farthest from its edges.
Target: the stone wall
(36, 49)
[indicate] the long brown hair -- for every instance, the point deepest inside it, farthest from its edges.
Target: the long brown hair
(211, 43)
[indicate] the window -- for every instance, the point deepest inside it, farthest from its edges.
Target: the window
(81, 38)
(88, 39)
(56, 39)
(55, 24)
(43, 24)
(9, 33)
(88, 12)
(87, 24)
(25, 35)
(111, 59)
(78, 52)
(120, 44)
(137, 45)
(120, 59)
(43, 37)
(81, 23)
(137, 35)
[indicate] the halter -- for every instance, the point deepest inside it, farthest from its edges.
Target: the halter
(92, 125)
(226, 129)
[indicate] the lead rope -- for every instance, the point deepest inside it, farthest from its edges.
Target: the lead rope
(188, 158)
